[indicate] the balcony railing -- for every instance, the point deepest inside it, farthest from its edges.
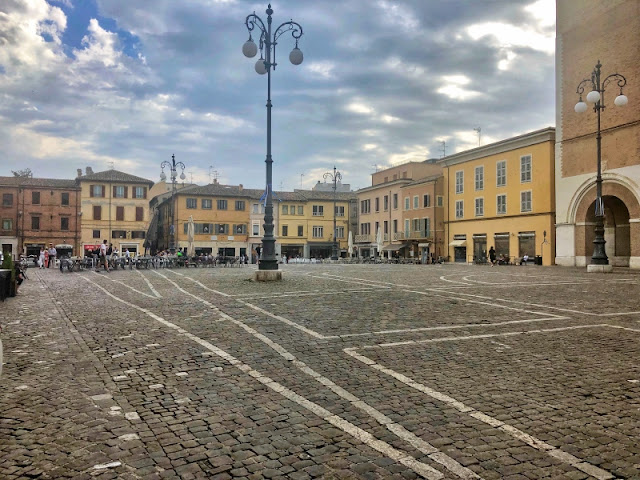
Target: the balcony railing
(364, 238)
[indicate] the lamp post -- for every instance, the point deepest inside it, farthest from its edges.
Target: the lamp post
(173, 166)
(596, 96)
(334, 177)
(265, 64)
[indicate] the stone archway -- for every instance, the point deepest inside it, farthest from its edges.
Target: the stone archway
(622, 226)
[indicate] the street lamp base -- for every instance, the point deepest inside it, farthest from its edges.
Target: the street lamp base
(268, 276)
(595, 268)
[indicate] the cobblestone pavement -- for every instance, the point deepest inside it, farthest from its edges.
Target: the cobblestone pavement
(339, 371)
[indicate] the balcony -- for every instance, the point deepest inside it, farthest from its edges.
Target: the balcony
(364, 239)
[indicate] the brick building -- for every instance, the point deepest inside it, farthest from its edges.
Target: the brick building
(38, 211)
(589, 31)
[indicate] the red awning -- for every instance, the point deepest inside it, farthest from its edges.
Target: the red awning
(91, 247)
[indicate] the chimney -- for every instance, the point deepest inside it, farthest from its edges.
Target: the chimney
(240, 187)
(79, 172)
(215, 181)
(89, 171)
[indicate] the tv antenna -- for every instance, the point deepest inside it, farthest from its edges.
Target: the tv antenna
(444, 148)
(479, 131)
(301, 175)
(213, 174)
(375, 165)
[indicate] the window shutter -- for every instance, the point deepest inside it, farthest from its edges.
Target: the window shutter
(139, 214)
(91, 190)
(114, 191)
(144, 192)
(126, 190)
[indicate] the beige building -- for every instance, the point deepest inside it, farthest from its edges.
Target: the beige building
(589, 31)
(114, 206)
(380, 207)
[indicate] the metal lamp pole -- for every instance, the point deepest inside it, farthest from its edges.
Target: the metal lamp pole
(334, 177)
(265, 64)
(174, 174)
(596, 96)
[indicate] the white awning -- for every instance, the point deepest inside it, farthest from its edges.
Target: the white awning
(64, 246)
(426, 245)
(394, 248)
(458, 243)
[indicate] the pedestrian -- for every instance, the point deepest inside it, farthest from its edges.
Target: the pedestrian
(52, 255)
(492, 256)
(103, 256)
(41, 258)
(46, 258)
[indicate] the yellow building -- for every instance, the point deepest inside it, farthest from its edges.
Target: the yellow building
(114, 207)
(220, 215)
(502, 195)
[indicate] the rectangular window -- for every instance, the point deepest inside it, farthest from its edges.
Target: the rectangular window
(426, 200)
(416, 202)
(365, 206)
(7, 199)
(407, 204)
(377, 204)
(395, 201)
(35, 223)
(525, 201)
(460, 182)
(206, 204)
(285, 230)
(459, 208)
(118, 234)
(285, 209)
(97, 212)
(96, 234)
(139, 192)
(339, 210)
(240, 229)
(395, 226)
(501, 173)
(440, 200)
(221, 228)
(479, 207)
(385, 202)
(138, 234)
(300, 231)
(416, 225)
(118, 191)
(139, 214)
(239, 205)
(7, 224)
(426, 222)
(222, 204)
(501, 205)
(525, 169)
(300, 210)
(119, 213)
(64, 223)
(96, 191)
(318, 232)
(480, 178)
(64, 199)
(339, 232)
(35, 198)
(407, 228)
(255, 207)
(256, 229)
(318, 211)
(192, 203)
(386, 227)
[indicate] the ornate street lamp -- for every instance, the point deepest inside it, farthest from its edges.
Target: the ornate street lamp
(334, 177)
(174, 174)
(596, 96)
(265, 64)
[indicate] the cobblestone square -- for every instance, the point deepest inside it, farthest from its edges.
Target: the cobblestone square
(339, 371)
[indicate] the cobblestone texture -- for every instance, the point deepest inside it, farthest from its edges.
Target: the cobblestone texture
(373, 371)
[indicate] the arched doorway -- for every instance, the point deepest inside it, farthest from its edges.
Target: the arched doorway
(621, 224)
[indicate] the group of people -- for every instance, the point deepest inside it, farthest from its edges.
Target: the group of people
(47, 257)
(502, 260)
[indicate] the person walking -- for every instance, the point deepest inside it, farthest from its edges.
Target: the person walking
(492, 256)
(41, 258)
(52, 255)
(103, 256)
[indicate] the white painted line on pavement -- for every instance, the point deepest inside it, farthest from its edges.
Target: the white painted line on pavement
(149, 284)
(122, 283)
(199, 283)
(489, 420)
(383, 447)
(286, 321)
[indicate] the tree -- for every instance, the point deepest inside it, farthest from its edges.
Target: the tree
(26, 173)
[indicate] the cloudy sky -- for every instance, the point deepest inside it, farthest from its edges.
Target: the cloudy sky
(126, 84)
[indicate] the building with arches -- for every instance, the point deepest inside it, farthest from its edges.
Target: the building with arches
(588, 32)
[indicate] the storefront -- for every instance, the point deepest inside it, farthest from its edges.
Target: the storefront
(292, 251)
(64, 250)
(320, 250)
(479, 248)
(459, 245)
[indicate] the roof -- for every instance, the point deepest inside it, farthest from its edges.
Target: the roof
(431, 178)
(113, 176)
(38, 182)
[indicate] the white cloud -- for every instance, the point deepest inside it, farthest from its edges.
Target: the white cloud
(453, 87)
(323, 69)
(507, 36)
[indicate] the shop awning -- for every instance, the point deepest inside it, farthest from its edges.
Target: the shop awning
(458, 243)
(64, 246)
(394, 247)
(425, 245)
